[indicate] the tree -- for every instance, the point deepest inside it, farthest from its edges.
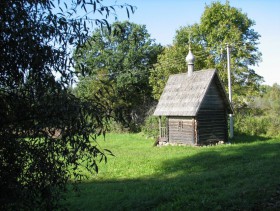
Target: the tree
(262, 117)
(220, 24)
(273, 99)
(173, 58)
(269, 101)
(46, 132)
(119, 63)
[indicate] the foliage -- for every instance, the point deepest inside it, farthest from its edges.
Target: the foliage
(45, 130)
(220, 24)
(172, 59)
(262, 115)
(142, 177)
(150, 127)
(251, 125)
(119, 63)
(257, 125)
(270, 101)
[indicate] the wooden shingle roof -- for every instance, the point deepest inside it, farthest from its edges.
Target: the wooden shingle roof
(183, 94)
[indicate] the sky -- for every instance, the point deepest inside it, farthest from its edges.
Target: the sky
(163, 17)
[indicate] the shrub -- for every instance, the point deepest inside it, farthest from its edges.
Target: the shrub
(274, 126)
(252, 125)
(150, 127)
(117, 127)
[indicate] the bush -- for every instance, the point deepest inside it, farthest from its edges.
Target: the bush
(117, 127)
(250, 124)
(150, 127)
(257, 125)
(274, 126)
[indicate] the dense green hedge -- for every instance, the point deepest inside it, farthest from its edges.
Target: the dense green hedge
(257, 125)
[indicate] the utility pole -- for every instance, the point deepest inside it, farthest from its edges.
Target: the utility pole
(229, 93)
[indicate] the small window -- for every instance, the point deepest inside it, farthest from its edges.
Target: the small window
(180, 126)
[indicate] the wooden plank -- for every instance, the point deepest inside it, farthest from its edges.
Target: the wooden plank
(206, 113)
(181, 130)
(173, 134)
(186, 138)
(212, 127)
(177, 124)
(212, 121)
(211, 116)
(182, 123)
(212, 130)
(218, 134)
(181, 137)
(182, 142)
(213, 98)
(208, 116)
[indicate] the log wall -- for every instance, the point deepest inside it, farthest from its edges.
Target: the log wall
(212, 117)
(181, 130)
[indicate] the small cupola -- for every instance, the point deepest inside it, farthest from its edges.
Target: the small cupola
(190, 60)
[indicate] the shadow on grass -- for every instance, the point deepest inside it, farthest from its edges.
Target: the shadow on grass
(245, 138)
(226, 178)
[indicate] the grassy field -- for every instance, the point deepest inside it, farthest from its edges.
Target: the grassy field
(240, 176)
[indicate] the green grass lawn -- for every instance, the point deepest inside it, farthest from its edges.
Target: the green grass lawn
(239, 176)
